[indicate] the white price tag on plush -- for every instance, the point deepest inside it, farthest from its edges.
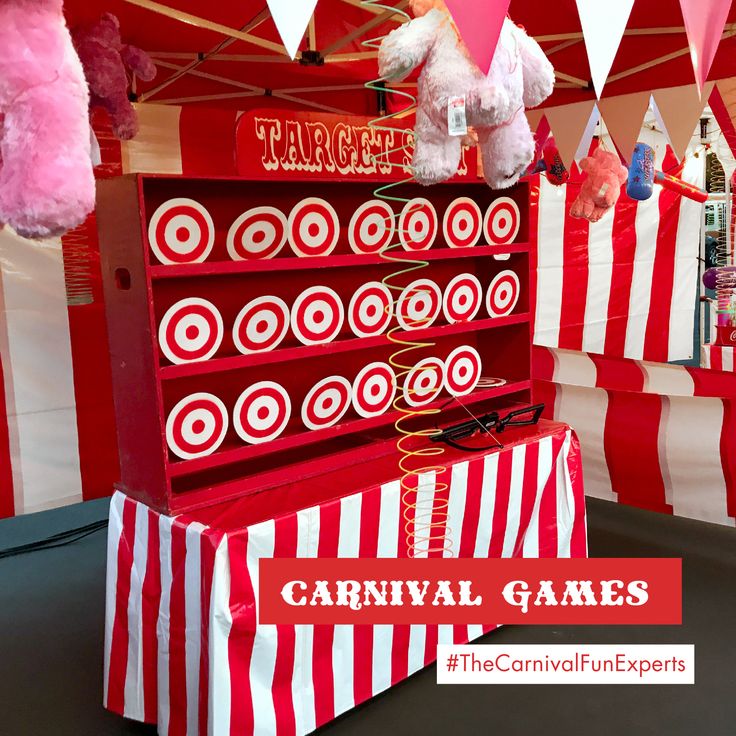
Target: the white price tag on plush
(457, 122)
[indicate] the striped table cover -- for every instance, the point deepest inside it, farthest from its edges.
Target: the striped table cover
(183, 646)
(718, 357)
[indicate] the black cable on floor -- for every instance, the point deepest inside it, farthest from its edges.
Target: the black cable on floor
(55, 540)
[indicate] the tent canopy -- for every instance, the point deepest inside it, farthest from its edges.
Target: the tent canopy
(228, 53)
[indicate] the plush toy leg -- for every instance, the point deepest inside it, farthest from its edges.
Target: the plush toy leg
(506, 151)
(436, 154)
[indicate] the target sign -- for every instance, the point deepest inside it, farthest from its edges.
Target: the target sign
(503, 294)
(181, 231)
(418, 224)
(463, 298)
(424, 382)
(502, 221)
(370, 310)
(262, 412)
(419, 304)
(257, 234)
(191, 330)
(317, 316)
(371, 227)
(463, 223)
(196, 426)
(313, 228)
(374, 389)
(462, 370)
(261, 325)
(327, 402)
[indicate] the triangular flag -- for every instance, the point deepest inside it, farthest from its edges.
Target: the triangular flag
(722, 102)
(534, 116)
(587, 138)
(291, 18)
(479, 23)
(678, 110)
(623, 116)
(704, 21)
(603, 25)
(568, 124)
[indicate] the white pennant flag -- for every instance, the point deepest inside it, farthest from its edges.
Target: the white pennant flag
(587, 137)
(603, 23)
(291, 18)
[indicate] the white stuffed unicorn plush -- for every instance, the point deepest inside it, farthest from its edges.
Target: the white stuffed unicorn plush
(520, 77)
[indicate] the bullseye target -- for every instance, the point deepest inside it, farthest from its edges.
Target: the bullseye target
(196, 426)
(370, 310)
(419, 304)
(374, 389)
(418, 224)
(502, 221)
(181, 231)
(327, 402)
(313, 227)
(371, 227)
(503, 294)
(262, 412)
(463, 298)
(259, 233)
(424, 382)
(191, 330)
(463, 223)
(462, 370)
(317, 316)
(261, 325)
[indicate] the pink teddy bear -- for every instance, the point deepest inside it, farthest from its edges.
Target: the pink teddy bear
(46, 180)
(105, 57)
(602, 186)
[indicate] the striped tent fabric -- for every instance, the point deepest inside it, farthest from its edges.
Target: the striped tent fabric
(654, 436)
(624, 286)
(718, 357)
(183, 644)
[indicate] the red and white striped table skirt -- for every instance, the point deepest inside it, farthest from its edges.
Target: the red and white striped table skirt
(183, 646)
(718, 357)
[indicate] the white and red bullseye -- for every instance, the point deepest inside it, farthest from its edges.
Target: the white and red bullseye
(502, 221)
(196, 426)
(327, 402)
(313, 228)
(419, 304)
(462, 299)
(181, 231)
(258, 233)
(371, 227)
(462, 370)
(503, 294)
(370, 310)
(191, 330)
(317, 316)
(262, 412)
(374, 389)
(424, 382)
(463, 223)
(418, 224)
(261, 325)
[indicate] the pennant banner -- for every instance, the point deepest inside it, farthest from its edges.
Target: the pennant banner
(479, 23)
(588, 133)
(623, 116)
(568, 124)
(678, 110)
(291, 20)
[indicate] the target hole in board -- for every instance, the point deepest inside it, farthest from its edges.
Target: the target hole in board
(122, 279)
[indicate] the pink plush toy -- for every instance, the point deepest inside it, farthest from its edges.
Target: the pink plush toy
(602, 185)
(46, 180)
(105, 57)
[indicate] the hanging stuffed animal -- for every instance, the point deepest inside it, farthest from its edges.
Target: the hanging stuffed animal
(105, 57)
(602, 185)
(520, 76)
(46, 180)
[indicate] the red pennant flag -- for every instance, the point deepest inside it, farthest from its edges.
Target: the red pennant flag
(704, 21)
(479, 23)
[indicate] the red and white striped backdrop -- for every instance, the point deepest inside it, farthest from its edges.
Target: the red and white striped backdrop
(183, 646)
(718, 357)
(659, 437)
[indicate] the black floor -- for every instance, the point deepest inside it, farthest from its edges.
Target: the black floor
(51, 633)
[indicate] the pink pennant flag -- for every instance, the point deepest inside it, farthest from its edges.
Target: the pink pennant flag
(704, 22)
(479, 23)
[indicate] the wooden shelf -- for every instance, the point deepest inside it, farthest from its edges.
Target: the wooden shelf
(293, 263)
(300, 352)
(243, 453)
